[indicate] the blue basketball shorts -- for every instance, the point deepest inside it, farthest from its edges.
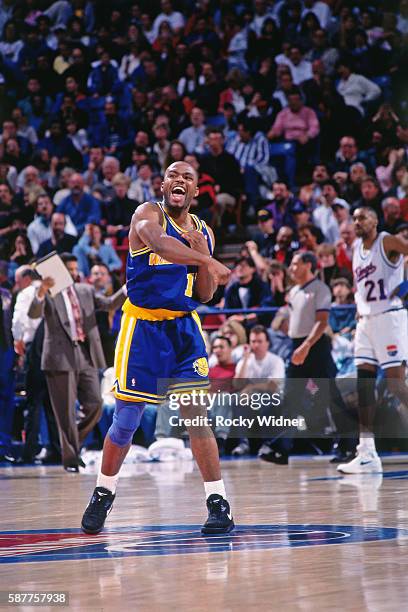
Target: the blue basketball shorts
(154, 358)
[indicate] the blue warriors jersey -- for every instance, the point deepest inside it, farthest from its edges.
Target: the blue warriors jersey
(161, 347)
(154, 283)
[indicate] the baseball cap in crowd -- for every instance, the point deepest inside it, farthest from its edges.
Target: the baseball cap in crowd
(264, 215)
(340, 203)
(298, 208)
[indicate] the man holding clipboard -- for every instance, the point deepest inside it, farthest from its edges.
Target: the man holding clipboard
(72, 352)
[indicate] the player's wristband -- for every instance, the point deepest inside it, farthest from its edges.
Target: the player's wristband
(401, 291)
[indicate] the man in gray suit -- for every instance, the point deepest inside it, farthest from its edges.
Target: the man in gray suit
(72, 355)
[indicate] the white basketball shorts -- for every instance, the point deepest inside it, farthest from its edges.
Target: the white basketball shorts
(382, 339)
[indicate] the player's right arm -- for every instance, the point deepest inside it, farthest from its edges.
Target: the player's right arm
(146, 230)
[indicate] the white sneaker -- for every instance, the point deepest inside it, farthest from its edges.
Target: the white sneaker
(365, 462)
(167, 449)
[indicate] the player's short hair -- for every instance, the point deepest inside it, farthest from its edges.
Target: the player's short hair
(368, 210)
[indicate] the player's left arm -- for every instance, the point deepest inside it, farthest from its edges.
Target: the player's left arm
(204, 285)
(395, 244)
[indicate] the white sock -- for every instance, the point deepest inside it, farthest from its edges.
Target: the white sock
(367, 442)
(215, 486)
(108, 482)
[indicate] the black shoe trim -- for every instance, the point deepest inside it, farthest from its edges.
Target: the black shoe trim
(218, 530)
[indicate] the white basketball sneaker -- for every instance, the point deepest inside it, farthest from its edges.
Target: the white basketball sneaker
(365, 462)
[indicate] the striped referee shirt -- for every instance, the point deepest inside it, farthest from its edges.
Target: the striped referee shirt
(304, 302)
(253, 154)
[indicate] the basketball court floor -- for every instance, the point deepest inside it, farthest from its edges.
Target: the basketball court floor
(306, 539)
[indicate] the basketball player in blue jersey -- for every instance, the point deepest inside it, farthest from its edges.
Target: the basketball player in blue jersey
(170, 270)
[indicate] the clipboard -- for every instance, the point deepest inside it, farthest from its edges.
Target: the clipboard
(53, 266)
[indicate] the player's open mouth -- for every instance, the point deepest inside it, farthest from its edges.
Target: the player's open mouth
(178, 194)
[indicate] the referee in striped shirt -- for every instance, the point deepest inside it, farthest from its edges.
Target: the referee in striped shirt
(312, 368)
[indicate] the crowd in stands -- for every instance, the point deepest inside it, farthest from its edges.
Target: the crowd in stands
(293, 112)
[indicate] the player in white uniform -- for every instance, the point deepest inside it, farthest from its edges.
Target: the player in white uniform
(382, 328)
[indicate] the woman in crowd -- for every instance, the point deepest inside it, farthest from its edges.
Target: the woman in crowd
(235, 332)
(177, 152)
(92, 248)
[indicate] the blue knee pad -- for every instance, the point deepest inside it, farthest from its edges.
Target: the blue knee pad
(126, 420)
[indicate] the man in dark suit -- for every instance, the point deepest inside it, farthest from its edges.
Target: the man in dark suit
(72, 354)
(6, 375)
(59, 241)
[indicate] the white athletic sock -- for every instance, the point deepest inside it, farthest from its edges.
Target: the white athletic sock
(367, 442)
(108, 482)
(215, 486)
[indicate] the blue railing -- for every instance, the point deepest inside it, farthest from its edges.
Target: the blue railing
(211, 310)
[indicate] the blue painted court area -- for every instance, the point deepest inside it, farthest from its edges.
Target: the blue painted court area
(38, 546)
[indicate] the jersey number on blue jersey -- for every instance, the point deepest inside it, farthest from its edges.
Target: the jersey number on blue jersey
(190, 282)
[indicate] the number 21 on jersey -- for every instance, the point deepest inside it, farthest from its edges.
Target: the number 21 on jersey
(375, 290)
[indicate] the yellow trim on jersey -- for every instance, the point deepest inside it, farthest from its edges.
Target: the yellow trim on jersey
(196, 318)
(134, 399)
(164, 222)
(123, 348)
(182, 230)
(197, 221)
(139, 251)
(157, 260)
(126, 351)
(138, 396)
(203, 223)
(146, 396)
(119, 344)
(151, 314)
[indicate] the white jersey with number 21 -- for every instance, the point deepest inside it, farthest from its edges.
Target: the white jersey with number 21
(375, 277)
